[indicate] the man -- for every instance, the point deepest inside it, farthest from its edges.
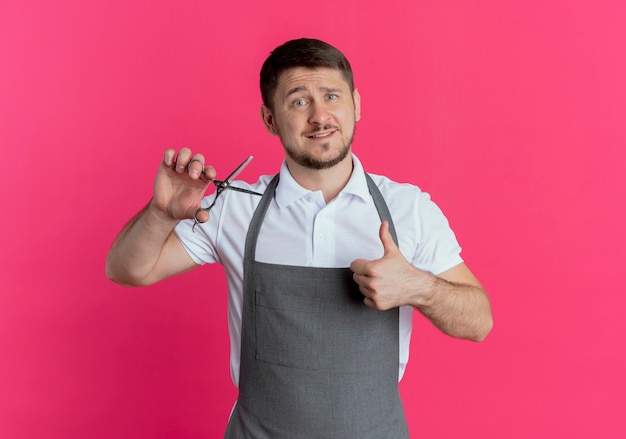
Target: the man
(323, 270)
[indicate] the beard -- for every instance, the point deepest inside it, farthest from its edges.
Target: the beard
(308, 161)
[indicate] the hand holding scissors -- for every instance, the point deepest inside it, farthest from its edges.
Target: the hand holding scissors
(221, 187)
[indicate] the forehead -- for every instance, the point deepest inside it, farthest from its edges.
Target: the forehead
(310, 79)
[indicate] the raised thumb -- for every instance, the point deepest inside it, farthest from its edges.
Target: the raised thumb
(385, 237)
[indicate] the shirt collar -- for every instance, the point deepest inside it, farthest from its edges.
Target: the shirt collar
(289, 191)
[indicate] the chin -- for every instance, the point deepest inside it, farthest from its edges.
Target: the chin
(311, 162)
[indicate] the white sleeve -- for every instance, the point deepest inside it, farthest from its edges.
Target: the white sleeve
(437, 247)
(200, 241)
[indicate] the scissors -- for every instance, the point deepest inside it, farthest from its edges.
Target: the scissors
(221, 187)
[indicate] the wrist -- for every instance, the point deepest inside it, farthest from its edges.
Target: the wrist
(159, 217)
(426, 294)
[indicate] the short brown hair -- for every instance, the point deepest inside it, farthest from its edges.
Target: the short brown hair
(303, 52)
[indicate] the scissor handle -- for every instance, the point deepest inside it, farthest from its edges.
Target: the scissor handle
(221, 186)
(196, 221)
(201, 209)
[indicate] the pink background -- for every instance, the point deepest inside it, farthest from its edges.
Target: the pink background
(511, 114)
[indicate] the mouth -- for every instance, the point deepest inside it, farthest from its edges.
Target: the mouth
(322, 135)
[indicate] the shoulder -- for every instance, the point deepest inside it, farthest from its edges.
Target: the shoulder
(411, 208)
(239, 203)
(257, 186)
(221, 237)
(424, 232)
(399, 193)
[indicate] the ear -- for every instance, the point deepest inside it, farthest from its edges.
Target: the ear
(356, 97)
(268, 120)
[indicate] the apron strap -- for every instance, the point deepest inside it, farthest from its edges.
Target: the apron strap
(381, 206)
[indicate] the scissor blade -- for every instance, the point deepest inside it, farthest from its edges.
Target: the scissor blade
(236, 172)
(245, 191)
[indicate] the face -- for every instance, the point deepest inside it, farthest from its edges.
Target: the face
(314, 115)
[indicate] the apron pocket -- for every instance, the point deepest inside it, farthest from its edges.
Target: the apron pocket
(288, 330)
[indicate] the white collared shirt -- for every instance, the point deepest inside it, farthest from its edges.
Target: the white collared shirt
(301, 229)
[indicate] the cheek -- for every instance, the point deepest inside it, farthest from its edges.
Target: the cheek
(290, 125)
(345, 113)
(346, 117)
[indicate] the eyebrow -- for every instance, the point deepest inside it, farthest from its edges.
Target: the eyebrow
(302, 88)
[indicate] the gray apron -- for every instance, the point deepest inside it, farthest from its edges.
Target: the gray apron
(315, 361)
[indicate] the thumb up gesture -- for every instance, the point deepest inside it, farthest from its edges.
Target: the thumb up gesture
(390, 281)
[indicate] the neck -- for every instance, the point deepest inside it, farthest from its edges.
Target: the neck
(330, 181)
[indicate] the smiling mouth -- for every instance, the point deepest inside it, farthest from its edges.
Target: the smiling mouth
(320, 135)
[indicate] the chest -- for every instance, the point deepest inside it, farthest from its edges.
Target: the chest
(311, 233)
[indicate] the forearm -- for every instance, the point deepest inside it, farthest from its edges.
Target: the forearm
(458, 309)
(137, 249)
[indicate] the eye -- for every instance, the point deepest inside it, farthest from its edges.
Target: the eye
(299, 103)
(332, 97)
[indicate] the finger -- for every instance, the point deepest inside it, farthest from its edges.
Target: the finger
(182, 160)
(385, 237)
(196, 166)
(359, 279)
(358, 266)
(369, 303)
(168, 156)
(363, 288)
(202, 216)
(208, 174)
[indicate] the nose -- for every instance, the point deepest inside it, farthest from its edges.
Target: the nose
(319, 114)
